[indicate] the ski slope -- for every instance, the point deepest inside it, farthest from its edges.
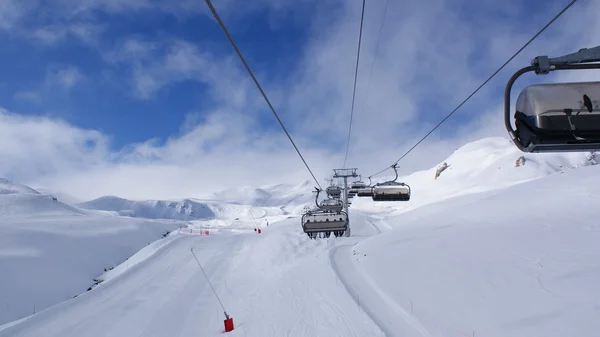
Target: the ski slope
(51, 251)
(261, 279)
(521, 261)
(484, 165)
(487, 248)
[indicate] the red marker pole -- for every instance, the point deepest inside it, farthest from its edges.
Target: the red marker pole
(228, 320)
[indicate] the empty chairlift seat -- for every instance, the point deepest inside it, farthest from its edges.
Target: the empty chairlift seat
(556, 117)
(558, 113)
(334, 191)
(391, 191)
(333, 205)
(364, 192)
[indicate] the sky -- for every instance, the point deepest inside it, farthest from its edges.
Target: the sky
(146, 99)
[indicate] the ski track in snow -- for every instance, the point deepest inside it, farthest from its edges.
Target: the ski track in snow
(388, 315)
(256, 277)
(391, 318)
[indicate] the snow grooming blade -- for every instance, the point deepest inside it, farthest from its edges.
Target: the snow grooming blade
(228, 320)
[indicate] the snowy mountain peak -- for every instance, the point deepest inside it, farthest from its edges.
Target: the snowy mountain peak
(151, 209)
(483, 165)
(8, 187)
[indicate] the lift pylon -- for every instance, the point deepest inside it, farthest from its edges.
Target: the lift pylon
(345, 173)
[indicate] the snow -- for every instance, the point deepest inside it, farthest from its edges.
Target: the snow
(484, 165)
(289, 198)
(8, 187)
(256, 278)
(61, 196)
(487, 248)
(51, 251)
(518, 262)
(151, 209)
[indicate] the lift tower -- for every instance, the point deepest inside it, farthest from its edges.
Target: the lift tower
(345, 173)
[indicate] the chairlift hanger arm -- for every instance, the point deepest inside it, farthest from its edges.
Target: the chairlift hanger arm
(544, 64)
(317, 197)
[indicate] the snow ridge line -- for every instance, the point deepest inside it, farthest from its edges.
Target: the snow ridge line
(373, 225)
(334, 252)
(374, 302)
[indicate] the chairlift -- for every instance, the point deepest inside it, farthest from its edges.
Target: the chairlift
(334, 191)
(556, 117)
(355, 186)
(365, 191)
(391, 190)
(334, 205)
(324, 220)
(319, 223)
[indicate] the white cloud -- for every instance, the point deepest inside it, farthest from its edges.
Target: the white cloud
(38, 146)
(66, 77)
(13, 11)
(430, 58)
(50, 35)
(30, 96)
(53, 34)
(221, 152)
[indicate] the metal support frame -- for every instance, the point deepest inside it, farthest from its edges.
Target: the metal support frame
(345, 173)
(543, 65)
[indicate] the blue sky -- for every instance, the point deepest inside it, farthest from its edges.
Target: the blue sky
(99, 99)
(101, 96)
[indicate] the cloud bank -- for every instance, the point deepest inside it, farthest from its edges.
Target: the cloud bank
(431, 55)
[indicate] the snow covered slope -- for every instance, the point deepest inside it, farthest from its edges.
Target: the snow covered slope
(262, 280)
(51, 251)
(522, 261)
(517, 261)
(151, 209)
(290, 198)
(486, 248)
(9, 187)
(228, 205)
(484, 165)
(61, 196)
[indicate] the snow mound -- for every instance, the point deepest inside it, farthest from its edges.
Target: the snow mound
(290, 198)
(151, 209)
(521, 261)
(35, 205)
(8, 187)
(484, 165)
(51, 251)
(64, 197)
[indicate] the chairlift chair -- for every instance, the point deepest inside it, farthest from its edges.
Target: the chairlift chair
(324, 220)
(333, 205)
(391, 190)
(365, 191)
(334, 191)
(355, 186)
(556, 117)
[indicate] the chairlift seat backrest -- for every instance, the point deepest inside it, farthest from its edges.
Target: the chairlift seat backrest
(558, 113)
